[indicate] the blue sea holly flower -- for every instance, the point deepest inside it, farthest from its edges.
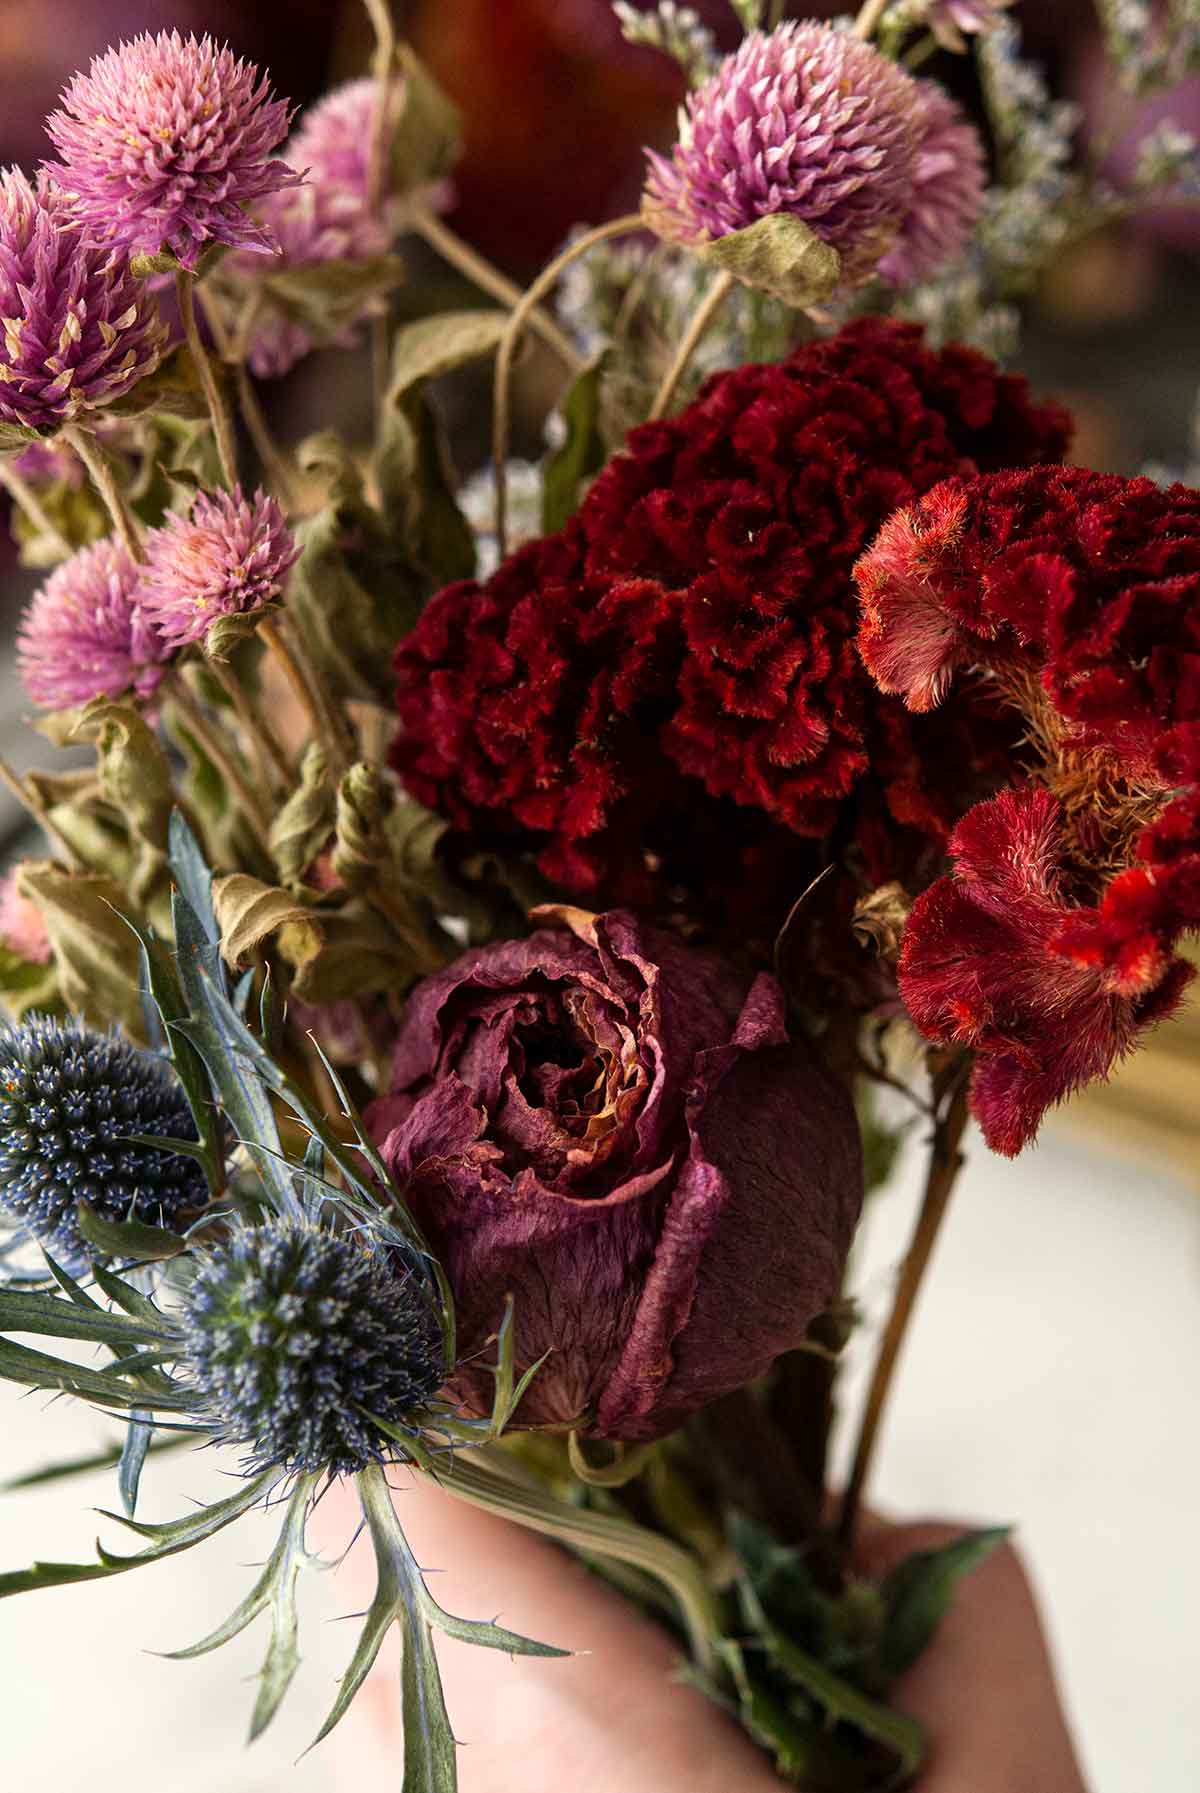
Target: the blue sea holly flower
(306, 1347)
(70, 1098)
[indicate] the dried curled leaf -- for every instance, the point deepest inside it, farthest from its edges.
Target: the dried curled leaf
(779, 255)
(250, 912)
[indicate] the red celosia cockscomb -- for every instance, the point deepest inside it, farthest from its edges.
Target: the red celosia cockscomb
(1053, 943)
(696, 620)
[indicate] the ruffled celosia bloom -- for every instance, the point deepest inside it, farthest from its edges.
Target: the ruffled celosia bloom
(69, 1099)
(693, 625)
(165, 143)
(1077, 596)
(86, 634)
(947, 191)
(804, 120)
(228, 557)
(331, 217)
(78, 328)
(22, 925)
(616, 1130)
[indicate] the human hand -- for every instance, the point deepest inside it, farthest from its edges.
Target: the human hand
(615, 1716)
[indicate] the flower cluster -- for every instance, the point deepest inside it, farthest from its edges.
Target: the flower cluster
(69, 1100)
(79, 328)
(1052, 945)
(811, 122)
(166, 142)
(693, 626)
(303, 1346)
(104, 624)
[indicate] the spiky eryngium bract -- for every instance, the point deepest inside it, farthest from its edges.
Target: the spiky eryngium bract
(70, 1097)
(299, 1340)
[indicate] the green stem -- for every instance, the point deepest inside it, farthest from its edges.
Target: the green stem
(701, 318)
(509, 342)
(221, 753)
(330, 726)
(869, 16)
(273, 765)
(452, 249)
(274, 461)
(35, 809)
(26, 499)
(945, 1162)
(101, 474)
(185, 292)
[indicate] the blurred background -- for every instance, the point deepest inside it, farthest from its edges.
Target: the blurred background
(1051, 1379)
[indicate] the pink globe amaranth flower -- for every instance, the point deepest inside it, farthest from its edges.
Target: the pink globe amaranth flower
(85, 634)
(22, 925)
(328, 218)
(228, 557)
(991, 961)
(166, 141)
(947, 191)
(805, 120)
(615, 1128)
(78, 328)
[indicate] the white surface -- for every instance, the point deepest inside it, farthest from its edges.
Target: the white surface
(1051, 1381)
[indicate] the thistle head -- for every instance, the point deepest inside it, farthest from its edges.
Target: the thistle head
(86, 633)
(70, 1098)
(165, 142)
(79, 329)
(300, 1342)
(228, 557)
(805, 120)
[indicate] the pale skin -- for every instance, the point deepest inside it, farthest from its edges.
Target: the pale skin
(614, 1717)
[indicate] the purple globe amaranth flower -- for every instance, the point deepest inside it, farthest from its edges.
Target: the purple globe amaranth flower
(79, 329)
(85, 634)
(228, 557)
(331, 217)
(805, 120)
(166, 141)
(947, 193)
(616, 1128)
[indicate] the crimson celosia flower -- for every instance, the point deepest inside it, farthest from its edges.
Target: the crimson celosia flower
(78, 329)
(986, 963)
(228, 557)
(947, 191)
(166, 141)
(86, 635)
(1077, 596)
(805, 120)
(693, 626)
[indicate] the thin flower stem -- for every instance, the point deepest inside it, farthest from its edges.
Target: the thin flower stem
(273, 765)
(100, 472)
(380, 14)
(293, 662)
(34, 807)
(185, 292)
(508, 347)
(945, 1162)
(701, 318)
(452, 249)
(24, 496)
(869, 16)
(274, 461)
(222, 754)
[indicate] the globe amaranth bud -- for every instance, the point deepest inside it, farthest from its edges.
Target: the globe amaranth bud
(70, 1097)
(298, 1341)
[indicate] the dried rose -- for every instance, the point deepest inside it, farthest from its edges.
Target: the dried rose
(616, 1129)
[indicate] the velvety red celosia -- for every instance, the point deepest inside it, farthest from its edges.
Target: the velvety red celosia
(694, 625)
(1052, 945)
